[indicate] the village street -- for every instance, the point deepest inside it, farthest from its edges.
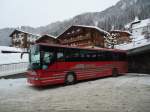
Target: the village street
(129, 93)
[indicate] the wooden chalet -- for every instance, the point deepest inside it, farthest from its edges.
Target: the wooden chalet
(49, 39)
(83, 36)
(122, 36)
(22, 39)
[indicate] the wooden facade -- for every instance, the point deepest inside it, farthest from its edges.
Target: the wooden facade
(122, 36)
(47, 39)
(22, 39)
(83, 36)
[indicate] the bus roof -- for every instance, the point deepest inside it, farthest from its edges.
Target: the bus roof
(64, 46)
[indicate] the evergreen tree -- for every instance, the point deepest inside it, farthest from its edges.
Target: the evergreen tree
(110, 40)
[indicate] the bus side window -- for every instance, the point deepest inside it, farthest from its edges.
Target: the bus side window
(122, 57)
(47, 56)
(60, 56)
(108, 56)
(116, 56)
(100, 56)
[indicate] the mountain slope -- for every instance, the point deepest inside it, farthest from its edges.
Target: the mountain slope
(117, 16)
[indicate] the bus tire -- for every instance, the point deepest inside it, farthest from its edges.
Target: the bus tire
(70, 78)
(115, 72)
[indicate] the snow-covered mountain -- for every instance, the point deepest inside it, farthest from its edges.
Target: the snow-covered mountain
(117, 16)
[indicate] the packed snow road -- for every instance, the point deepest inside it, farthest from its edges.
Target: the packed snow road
(130, 93)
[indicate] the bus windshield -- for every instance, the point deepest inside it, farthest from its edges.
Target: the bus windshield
(40, 58)
(35, 57)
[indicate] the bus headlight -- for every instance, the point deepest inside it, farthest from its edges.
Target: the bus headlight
(36, 78)
(33, 73)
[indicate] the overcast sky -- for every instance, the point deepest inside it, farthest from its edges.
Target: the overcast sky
(14, 13)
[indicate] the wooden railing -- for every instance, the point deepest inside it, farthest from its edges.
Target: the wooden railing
(76, 39)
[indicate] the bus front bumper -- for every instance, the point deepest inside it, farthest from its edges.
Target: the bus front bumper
(39, 82)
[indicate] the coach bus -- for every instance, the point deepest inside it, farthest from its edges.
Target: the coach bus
(53, 64)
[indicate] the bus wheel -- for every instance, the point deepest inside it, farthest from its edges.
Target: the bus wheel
(70, 78)
(115, 72)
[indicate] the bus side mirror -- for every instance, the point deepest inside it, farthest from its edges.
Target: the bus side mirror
(22, 55)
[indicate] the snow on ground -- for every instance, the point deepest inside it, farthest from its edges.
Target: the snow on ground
(129, 93)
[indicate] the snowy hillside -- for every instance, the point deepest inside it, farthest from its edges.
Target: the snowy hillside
(118, 15)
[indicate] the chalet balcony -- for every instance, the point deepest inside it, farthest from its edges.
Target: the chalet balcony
(75, 39)
(84, 44)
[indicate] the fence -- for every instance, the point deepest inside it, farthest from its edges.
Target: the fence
(13, 68)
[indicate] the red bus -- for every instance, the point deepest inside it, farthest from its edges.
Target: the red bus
(53, 64)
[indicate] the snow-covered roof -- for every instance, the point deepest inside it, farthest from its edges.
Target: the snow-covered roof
(142, 23)
(48, 35)
(121, 31)
(24, 32)
(138, 23)
(85, 26)
(133, 45)
(94, 27)
(5, 48)
(127, 25)
(136, 20)
(7, 58)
